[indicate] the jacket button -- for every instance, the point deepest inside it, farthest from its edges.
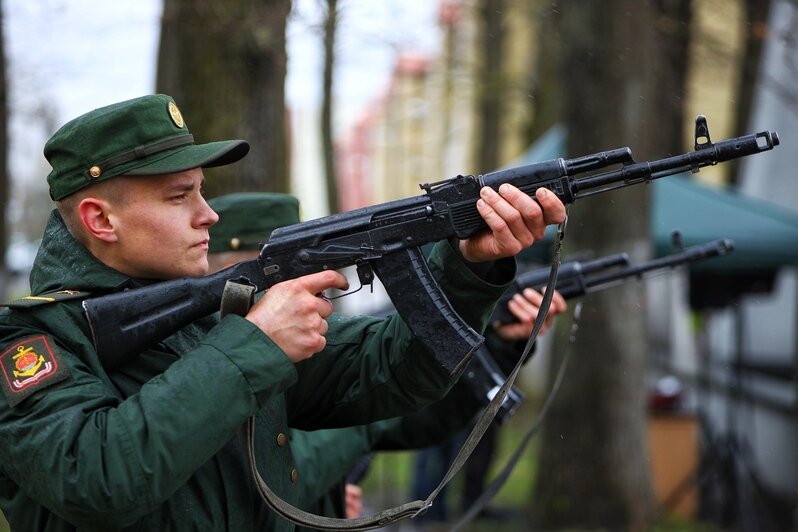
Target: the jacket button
(282, 439)
(294, 475)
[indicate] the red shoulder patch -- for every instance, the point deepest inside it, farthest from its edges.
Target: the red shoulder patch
(30, 365)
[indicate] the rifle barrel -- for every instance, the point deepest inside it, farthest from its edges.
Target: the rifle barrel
(715, 248)
(718, 152)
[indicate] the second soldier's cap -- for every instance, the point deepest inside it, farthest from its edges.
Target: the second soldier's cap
(246, 219)
(142, 136)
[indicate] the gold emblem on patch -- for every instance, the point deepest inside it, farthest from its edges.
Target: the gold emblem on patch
(174, 114)
(27, 362)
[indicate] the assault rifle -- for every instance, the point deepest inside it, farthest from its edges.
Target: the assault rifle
(385, 240)
(577, 278)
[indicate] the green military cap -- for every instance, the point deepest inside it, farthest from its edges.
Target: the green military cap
(142, 136)
(246, 219)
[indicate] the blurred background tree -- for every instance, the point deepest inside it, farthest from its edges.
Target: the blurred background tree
(754, 30)
(492, 90)
(225, 65)
(618, 85)
(328, 105)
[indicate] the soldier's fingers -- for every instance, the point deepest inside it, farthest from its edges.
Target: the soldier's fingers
(553, 208)
(522, 309)
(317, 283)
(533, 296)
(503, 242)
(523, 214)
(558, 303)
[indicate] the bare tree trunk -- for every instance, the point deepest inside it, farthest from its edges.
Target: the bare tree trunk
(623, 85)
(673, 21)
(492, 85)
(330, 29)
(4, 177)
(545, 81)
(225, 65)
(756, 20)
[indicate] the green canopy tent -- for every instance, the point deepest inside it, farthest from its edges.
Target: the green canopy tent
(765, 234)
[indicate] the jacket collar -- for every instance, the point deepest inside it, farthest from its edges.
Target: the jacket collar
(64, 263)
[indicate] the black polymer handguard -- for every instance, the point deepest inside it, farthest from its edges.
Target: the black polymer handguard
(381, 239)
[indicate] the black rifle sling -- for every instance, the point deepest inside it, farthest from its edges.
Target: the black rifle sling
(413, 508)
(485, 497)
(237, 298)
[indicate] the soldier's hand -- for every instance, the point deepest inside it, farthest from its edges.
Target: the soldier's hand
(353, 497)
(515, 222)
(525, 306)
(293, 314)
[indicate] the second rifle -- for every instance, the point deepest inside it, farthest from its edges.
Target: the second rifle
(577, 278)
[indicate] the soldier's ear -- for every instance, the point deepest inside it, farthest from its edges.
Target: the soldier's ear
(94, 214)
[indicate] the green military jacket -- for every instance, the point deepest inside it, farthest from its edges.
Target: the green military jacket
(151, 444)
(329, 455)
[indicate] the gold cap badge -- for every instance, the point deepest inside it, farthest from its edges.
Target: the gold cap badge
(174, 113)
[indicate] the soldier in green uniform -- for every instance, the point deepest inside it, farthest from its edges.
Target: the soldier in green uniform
(150, 444)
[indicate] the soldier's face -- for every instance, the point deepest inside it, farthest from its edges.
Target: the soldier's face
(162, 227)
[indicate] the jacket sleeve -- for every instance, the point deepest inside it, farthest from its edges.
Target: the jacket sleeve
(99, 459)
(373, 368)
(325, 457)
(431, 425)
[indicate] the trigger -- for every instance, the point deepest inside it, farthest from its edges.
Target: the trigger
(365, 274)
